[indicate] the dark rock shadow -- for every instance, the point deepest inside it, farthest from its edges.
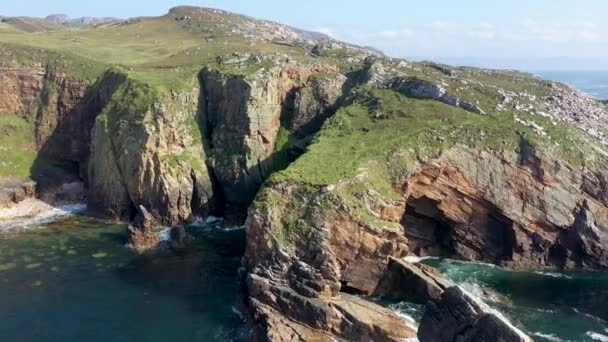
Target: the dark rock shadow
(63, 153)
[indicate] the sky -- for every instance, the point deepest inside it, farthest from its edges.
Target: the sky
(526, 34)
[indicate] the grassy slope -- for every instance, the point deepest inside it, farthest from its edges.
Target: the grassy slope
(167, 54)
(28, 24)
(384, 127)
(162, 51)
(17, 152)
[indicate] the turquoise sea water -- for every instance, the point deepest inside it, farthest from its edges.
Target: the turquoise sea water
(74, 280)
(594, 83)
(547, 306)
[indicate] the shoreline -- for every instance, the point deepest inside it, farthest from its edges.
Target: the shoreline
(31, 213)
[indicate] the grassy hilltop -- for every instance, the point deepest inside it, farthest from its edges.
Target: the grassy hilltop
(167, 53)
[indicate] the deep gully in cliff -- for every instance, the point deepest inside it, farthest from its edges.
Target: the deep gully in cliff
(65, 138)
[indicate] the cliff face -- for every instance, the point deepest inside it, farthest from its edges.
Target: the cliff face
(244, 114)
(519, 210)
(50, 100)
(516, 210)
(395, 182)
(147, 156)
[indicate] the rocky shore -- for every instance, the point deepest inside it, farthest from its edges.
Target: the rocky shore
(339, 161)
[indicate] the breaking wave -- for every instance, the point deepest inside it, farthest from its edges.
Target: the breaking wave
(33, 213)
(597, 336)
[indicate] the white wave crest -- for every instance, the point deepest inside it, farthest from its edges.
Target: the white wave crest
(549, 337)
(34, 213)
(554, 275)
(416, 259)
(164, 234)
(597, 319)
(495, 312)
(597, 336)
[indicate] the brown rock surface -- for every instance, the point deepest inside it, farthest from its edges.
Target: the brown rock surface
(504, 209)
(460, 317)
(281, 314)
(243, 115)
(416, 283)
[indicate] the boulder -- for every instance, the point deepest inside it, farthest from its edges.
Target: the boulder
(416, 283)
(282, 314)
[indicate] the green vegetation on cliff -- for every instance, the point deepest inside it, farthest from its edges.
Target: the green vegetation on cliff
(17, 152)
(390, 131)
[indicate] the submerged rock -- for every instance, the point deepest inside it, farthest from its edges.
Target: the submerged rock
(460, 317)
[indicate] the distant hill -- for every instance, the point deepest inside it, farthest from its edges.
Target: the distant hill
(65, 20)
(52, 22)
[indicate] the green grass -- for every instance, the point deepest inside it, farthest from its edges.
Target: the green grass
(17, 150)
(129, 104)
(381, 128)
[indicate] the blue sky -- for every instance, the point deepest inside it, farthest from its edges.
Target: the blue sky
(517, 33)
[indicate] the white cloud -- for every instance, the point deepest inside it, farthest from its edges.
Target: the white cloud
(530, 36)
(396, 34)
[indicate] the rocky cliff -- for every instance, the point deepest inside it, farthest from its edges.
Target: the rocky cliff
(344, 162)
(430, 189)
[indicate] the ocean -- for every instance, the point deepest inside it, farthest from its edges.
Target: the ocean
(73, 279)
(594, 83)
(548, 306)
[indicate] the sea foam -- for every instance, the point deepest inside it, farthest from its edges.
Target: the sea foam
(34, 213)
(597, 336)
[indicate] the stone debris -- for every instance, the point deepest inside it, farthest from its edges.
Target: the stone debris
(538, 129)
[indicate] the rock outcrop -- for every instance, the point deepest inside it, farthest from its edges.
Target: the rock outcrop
(282, 314)
(460, 317)
(147, 152)
(243, 116)
(521, 211)
(415, 283)
(14, 192)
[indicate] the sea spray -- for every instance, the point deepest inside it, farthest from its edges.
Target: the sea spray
(34, 213)
(597, 336)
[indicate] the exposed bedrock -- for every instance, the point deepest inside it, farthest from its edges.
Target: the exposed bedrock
(518, 210)
(416, 283)
(458, 316)
(147, 160)
(243, 117)
(521, 211)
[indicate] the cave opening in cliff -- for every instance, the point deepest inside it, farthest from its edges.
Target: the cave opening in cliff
(485, 235)
(427, 229)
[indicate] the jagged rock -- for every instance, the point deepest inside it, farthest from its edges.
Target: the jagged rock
(315, 102)
(460, 317)
(281, 314)
(415, 283)
(244, 115)
(486, 194)
(180, 239)
(421, 89)
(142, 239)
(14, 192)
(152, 157)
(375, 72)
